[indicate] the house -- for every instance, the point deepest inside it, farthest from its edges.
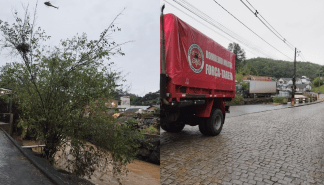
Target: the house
(112, 103)
(289, 81)
(285, 94)
(300, 88)
(152, 108)
(134, 110)
(305, 80)
(124, 102)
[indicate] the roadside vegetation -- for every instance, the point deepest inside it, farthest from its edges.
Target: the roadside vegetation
(60, 93)
(280, 100)
(237, 100)
(315, 85)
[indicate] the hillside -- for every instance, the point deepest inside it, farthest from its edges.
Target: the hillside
(151, 98)
(316, 89)
(280, 68)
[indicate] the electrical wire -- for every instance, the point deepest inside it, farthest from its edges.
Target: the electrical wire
(273, 30)
(228, 39)
(250, 29)
(221, 27)
(226, 30)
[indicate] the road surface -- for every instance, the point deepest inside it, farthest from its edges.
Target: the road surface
(283, 146)
(15, 168)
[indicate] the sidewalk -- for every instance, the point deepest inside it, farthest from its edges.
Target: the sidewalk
(15, 168)
(248, 109)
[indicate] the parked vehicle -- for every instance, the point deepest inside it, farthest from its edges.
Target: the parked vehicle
(197, 77)
(261, 89)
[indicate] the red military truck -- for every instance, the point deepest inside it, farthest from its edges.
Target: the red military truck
(197, 77)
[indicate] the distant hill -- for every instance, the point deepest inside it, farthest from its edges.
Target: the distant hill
(151, 98)
(280, 68)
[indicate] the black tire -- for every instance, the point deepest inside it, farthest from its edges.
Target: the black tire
(214, 124)
(173, 127)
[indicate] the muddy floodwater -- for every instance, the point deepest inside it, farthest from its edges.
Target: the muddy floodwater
(140, 172)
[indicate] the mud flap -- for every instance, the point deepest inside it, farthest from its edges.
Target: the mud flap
(204, 110)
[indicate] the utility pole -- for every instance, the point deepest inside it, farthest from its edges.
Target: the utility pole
(294, 82)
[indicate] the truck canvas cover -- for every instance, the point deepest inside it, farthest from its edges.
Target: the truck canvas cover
(195, 60)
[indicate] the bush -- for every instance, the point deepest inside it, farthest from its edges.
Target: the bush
(278, 99)
(245, 86)
(237, 100)
(285, 101)
(150, 130)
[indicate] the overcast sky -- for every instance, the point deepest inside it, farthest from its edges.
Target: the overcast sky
(299, 21)
(139, 22)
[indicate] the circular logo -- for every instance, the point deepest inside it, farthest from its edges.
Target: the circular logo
(196, 58)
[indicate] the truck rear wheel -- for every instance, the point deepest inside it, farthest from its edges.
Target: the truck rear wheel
(213, 125)
(173, 127)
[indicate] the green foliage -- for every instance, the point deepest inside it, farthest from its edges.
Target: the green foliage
(317, 82)
(278, 99)
(144, 115)
(245, 86)
(283, 69)
(247, 70)
(316, 89)
(61, 94)
(151, 98)
(239, 55)
(239, 78)
(150, 130)
(237, 100)
(285, 101)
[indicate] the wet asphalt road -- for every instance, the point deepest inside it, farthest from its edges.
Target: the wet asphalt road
(15, 168)
(284, 146)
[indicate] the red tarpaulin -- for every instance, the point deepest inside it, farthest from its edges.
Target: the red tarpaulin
(195, 60)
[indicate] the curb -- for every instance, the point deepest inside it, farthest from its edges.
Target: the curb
(310, 103)
(45, 168)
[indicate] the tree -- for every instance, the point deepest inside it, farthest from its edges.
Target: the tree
(317, 82)
(61, 93)
(239, 54)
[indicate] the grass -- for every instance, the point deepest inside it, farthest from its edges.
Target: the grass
(278, 99)
(315, 89)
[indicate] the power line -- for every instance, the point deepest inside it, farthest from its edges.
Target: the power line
(251, 29)
(303, 56)
(256, 13)
(230, 40)
(220, 27)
